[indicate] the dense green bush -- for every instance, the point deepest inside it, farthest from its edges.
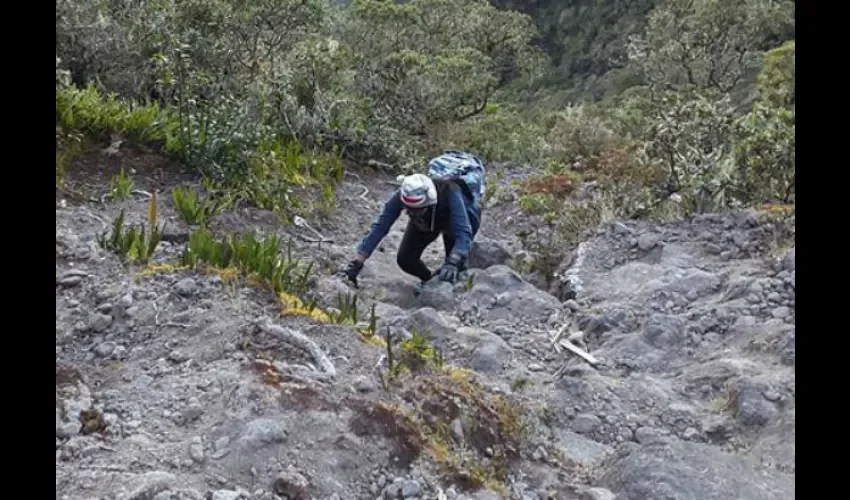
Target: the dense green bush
(765, 137)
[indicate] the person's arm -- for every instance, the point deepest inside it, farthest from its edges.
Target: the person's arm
(461, 227)
(380, 228)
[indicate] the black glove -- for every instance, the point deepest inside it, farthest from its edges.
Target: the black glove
(351, 270)
(450, 270)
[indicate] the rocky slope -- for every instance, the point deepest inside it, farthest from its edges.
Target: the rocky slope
(173, 385)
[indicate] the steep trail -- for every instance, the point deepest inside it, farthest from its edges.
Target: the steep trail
(693, 395)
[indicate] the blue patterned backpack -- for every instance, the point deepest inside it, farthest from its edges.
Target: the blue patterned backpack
(466, 169)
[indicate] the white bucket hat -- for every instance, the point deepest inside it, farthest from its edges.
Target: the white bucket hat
(418, 191)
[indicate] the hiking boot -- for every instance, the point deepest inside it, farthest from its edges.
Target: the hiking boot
(419, 288)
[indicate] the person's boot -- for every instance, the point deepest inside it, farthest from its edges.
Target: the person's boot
(419, 288)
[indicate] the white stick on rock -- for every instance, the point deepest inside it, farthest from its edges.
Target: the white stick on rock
(301, 341)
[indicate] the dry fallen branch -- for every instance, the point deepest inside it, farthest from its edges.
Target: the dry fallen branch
(568, 344)
(300, 222)
(176, 325)
(579, 351)
(301, 341)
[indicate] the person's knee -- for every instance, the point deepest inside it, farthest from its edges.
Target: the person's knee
(405, 261)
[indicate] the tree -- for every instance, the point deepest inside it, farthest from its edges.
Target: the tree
(765, 137)
(705, 43)
(430, 61)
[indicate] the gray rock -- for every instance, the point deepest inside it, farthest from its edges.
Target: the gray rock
(690, 434)
(186, 287)
(393, 491)
(581, 450)
(585, 423)
(125, 301)
(517, 299)
(191, 413)
(597, 494)
(776, 445)
(221, 443)
(291, 484)
(105, 349)
(261, 432)
(196, 449)
(486, 495)
(148, 485)
(713, 249)
(67, 430)
(693, 471)
(438, 295)
(99, 322)
(752, 409)
(183, 316)
(644, 435)
(410, 489)
(178, 356)
(647, 241)
(365, 384)
(70, 281)
(78, 401)
(486, 253)
(664, 331)
(718, 428)
(686, 280)
(781, 312)
(489, 351)
(226, 495)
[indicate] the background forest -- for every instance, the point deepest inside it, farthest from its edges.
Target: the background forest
(646, 99)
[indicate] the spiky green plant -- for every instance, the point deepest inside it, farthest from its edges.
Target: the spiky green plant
(133, 243)
(121, 186)
(252, 256)
(196, 210)
(347, 307)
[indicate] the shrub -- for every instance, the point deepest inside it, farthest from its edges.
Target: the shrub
(765, 137)
(98, 115)
(498, 134)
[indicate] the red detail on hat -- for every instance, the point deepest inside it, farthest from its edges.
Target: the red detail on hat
(412, 200)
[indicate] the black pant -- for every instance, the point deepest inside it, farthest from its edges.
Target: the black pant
(413, 245)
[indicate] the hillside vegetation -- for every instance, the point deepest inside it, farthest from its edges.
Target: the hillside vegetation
(268, 95)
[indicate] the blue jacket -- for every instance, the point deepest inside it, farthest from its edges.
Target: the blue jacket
(462, 218)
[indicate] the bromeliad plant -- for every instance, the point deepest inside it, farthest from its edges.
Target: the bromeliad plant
(133, 243)
(252, 256)
(346, 305)
(193, 209)
(121, 186)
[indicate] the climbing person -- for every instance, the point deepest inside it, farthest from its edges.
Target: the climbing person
(445, 202)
